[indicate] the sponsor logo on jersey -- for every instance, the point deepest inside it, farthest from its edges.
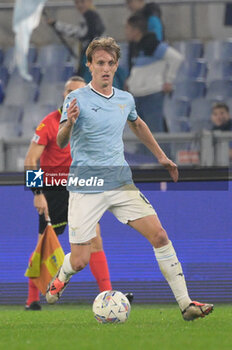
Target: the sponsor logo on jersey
(96, 109)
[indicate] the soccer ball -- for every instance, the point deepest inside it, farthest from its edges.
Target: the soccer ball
(111, 306)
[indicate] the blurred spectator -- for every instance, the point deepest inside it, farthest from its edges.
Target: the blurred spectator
(221, 120)
(91, 26)
(154, 68)
(220, 117)
(152, 14)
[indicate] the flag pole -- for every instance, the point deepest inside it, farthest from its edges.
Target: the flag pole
(60, 36)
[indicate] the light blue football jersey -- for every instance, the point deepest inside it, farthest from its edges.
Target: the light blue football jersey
(97, 148)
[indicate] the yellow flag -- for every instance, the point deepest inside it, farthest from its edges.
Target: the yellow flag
(46, 259)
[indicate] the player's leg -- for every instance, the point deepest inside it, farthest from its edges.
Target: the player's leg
(99, 266)
(98, 262)
(151, 228)
(73, 263)
(85, 211)
(33, 296)
(139, 214)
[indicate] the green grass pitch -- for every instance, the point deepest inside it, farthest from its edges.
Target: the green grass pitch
(156, 327)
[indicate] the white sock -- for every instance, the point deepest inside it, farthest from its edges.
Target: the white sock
(66, 270)
(172, 271)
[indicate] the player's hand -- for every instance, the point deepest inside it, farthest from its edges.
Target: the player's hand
(41, 205)
(73, 112)
(167, 87)
(171, 167)
(51, 21)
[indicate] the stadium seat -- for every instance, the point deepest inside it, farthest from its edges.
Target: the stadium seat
(2, 93)
(1, 55)
(34, 70)
(219, 89)
(176, 108)
(20, 92)
(68, 71)
(9, 130)
(201, 108)
(227, 49)
(32, 116)
(36, 73)
(218, 50)
(213, 50)
(11, 113)
(197, 125)
(189, 89)
(191, 49)
(8, 60)
(52, 55)
(190, 70)
(15, 155)
(136, 158)
(200, 114)
(176, 114)
(219, 70)
(57, 74)
(4, 76)
(51, 75)
(10, 121)
(51, 94)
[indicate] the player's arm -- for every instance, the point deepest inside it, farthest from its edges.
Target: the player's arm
(78, 31)
(32, 157)
(65, 128)
(141, 130)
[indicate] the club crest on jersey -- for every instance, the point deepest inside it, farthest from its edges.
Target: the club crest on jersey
(40, 127)
(122, 107)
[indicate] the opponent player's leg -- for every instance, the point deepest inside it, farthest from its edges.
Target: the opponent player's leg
(151, 228)
(98, 262)
(99, 266)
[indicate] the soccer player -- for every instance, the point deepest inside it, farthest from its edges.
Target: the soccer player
(94, 118)
(54, 203)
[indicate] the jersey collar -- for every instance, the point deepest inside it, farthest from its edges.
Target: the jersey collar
(97, 92)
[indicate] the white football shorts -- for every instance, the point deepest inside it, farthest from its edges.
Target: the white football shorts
(85, 210)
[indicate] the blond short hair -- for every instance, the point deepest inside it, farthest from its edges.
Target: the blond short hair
(107, 44)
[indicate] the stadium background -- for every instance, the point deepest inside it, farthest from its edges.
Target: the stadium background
(198, 221)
